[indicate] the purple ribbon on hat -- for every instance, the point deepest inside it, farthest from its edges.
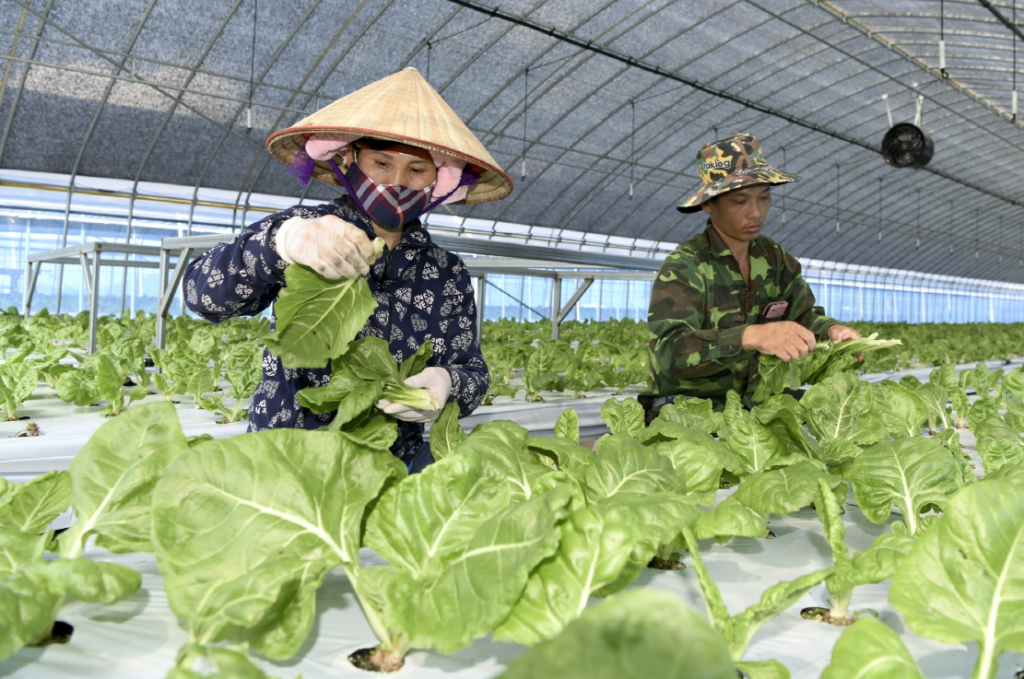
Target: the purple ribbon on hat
(302, 167)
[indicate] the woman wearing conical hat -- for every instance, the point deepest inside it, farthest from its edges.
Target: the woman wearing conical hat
(398, 151)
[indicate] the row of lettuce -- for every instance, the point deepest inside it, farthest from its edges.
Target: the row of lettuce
(219, 366)
(510, 535)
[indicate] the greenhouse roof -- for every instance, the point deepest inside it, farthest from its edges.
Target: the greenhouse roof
(589, 96)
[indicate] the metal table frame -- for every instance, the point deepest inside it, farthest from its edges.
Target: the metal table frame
(90, 256)
(496, 257)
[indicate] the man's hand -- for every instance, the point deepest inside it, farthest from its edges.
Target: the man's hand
(838, 333)
(329, 245)
(438, 384)
(786, 339)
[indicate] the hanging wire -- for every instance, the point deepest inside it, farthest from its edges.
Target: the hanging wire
(1013, 96)
(977, 233)
(837, 197)
(461, 31)
(880, 195)
(951, 224)
(1001, 224)
(632, 149)
(252, 67)
(431, 43)
(784, 186)
(942, 39)
(918, 219)
(526, 95)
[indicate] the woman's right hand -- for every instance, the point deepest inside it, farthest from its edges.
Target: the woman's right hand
(329, 245)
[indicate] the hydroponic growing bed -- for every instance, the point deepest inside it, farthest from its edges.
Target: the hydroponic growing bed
(292, 549)
(138, 638)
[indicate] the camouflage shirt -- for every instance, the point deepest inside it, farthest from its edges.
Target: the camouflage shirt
(700, 305)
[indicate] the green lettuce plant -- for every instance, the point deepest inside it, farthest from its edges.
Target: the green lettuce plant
(655, 635)
(827, 359)
(840, 413)
(17, 382)
(946, 377)
(243, 381)
(739, 629)
(455, 571)
(623, 417)
(600, 551)
(446, 433)
(33, 589)
(294, 502)
(366, 373)
(964, 579)
(869, 649)
(100, 376)
(113, 478)
(913, 473)
(940, 415)
(228, 663)
(317, 317)
(542, 374)
(902, 411)
(567, 426)
(875, 564)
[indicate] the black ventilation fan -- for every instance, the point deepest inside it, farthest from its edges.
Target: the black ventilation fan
(907, 145)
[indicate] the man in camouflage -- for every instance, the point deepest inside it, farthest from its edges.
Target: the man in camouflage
(730, 293)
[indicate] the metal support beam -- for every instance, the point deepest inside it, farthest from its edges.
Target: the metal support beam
(556, 304)
(556, 322)
(166, 292)
(1002, 19)
(30, 286)
(515, 299)
(88, 275)
(481, 304)
(94, 297)
(649, 67)
(556, 256)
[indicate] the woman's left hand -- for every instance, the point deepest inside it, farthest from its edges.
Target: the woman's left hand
(438, 384)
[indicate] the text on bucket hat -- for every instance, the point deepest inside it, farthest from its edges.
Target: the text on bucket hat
(729, 164)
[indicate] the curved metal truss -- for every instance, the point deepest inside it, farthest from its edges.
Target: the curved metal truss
(596, 107)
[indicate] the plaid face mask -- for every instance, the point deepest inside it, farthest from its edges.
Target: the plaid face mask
(393, 205)
(390, 205)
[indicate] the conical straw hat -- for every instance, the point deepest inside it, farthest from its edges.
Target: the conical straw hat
(402, 107)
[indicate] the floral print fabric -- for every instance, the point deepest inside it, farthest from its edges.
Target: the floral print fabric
(423, 294)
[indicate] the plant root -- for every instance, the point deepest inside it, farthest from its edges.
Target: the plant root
(821, 614)
(768, 536)
(666, 564)
(31, 429)
(376, 659)
(60, 634)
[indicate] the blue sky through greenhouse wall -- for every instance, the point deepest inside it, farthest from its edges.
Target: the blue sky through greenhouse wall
(36, 215)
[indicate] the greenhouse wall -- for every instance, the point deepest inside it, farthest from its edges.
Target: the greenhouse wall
(38, 213)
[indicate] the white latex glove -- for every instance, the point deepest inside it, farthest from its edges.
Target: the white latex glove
(438, 384)
(329, 245)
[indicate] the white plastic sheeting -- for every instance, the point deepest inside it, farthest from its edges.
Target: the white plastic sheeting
(138, 638)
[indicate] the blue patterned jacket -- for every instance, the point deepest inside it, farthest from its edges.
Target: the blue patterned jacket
(423, 294)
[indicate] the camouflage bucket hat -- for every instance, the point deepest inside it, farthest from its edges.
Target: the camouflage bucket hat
(729, 164)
